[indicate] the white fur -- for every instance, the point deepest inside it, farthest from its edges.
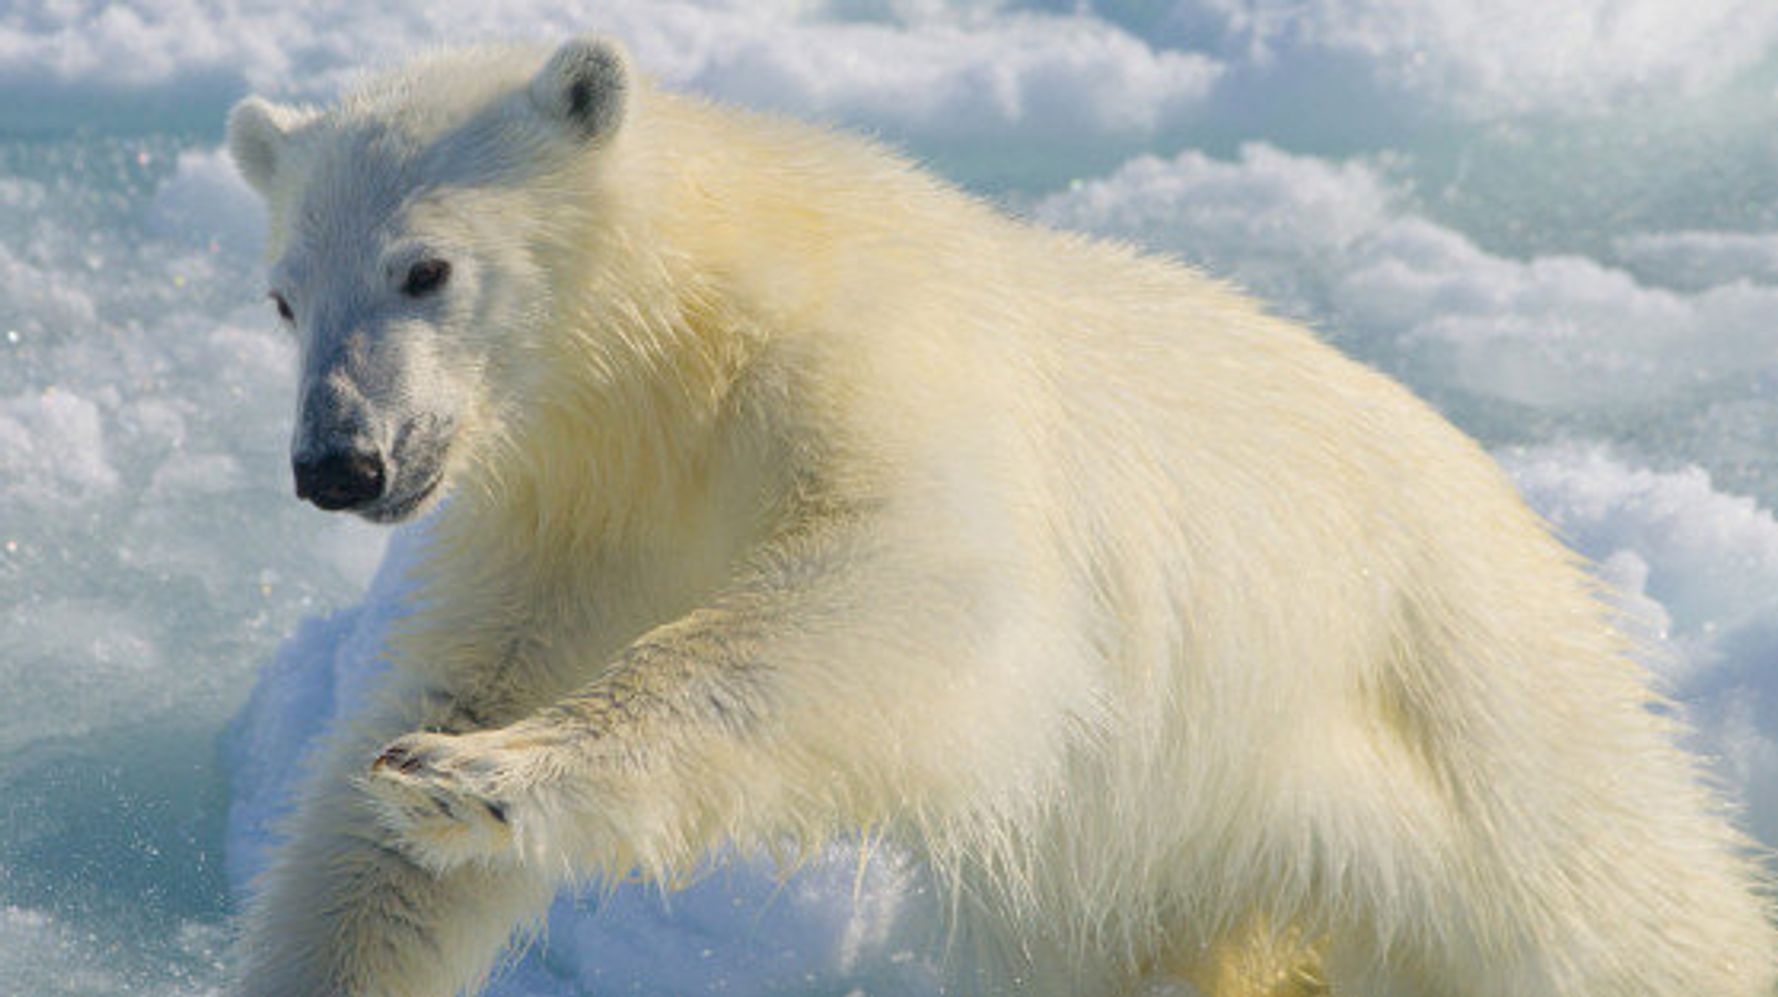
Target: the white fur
(797, 493)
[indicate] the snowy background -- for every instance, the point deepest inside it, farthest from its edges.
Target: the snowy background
(1559, 221)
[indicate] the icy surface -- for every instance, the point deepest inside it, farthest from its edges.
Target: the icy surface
(1557, 221)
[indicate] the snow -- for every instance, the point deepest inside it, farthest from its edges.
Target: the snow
(1557, 221)
(1487, 60)
(1330, 240)
(1695, 260)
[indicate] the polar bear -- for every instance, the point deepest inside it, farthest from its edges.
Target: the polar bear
(797, 494)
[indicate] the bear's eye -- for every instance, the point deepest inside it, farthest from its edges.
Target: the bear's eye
(285, 312)
(425, 277)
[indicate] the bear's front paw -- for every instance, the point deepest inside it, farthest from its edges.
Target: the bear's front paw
(448, 798)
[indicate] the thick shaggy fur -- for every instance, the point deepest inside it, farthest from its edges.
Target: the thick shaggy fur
(797, 494)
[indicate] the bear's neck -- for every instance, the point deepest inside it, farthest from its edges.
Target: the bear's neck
(629, 438)
(634, 435)
(626, 435)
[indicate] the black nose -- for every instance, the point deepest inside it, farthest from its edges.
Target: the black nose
(337, 480)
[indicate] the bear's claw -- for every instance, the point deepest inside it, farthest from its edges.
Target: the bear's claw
(399, 757)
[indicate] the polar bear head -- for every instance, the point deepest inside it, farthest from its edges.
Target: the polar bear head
(406, 232)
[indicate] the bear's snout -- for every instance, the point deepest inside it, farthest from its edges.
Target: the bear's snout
(339, 479)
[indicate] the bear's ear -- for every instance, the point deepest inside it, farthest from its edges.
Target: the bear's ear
(258, 136)
(585, 87)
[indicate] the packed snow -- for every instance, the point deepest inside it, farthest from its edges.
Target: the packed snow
(1557, 221)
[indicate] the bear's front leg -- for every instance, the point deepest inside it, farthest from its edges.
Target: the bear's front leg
(801, 701)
